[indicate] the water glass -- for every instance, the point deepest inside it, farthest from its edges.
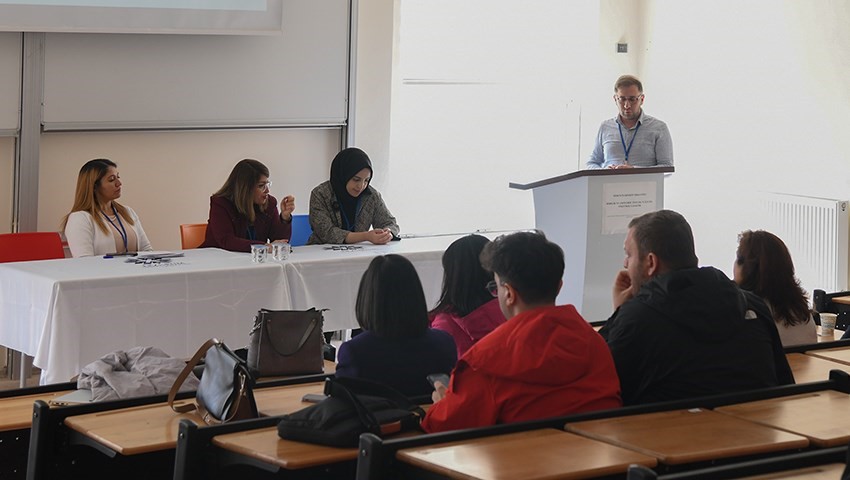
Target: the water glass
(281, 251)
(258, 253)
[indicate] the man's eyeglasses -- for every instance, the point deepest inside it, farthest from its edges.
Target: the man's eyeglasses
(493, 288)
(264, 186)
(625, 100)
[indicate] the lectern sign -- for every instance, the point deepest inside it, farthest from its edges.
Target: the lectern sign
(624, 201)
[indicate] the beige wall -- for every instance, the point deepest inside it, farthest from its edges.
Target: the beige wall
(169, 176)
(7, 170)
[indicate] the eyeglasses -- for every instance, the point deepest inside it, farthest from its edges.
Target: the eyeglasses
(493, 287)
(264, 186)
(625, 100)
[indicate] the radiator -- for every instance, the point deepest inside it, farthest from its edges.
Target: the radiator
(816, 231)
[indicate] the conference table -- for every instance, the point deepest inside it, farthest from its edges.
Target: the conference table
(67, 313)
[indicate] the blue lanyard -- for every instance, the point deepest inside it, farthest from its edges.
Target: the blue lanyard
(623, 140)
(121, 232)
(348, 225)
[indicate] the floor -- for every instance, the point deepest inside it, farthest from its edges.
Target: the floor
(6, 384)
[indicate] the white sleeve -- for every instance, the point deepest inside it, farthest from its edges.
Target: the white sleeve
(79, 231)
(141, 237)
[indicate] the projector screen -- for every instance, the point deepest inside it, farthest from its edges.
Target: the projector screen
(237, 17)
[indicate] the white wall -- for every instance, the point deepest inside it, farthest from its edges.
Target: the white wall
(7, 163)
(169, 176)
(755, 98)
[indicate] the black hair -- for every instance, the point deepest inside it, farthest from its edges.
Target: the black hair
(666, 234)
(464, 279)
(390, 301)
(529, 263)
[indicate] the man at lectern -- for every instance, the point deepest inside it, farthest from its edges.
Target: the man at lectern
(632, 138)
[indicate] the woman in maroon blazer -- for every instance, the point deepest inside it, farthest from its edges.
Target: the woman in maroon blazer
(243, 212)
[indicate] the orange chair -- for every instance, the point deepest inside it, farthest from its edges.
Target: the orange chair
(21, 247)
(192, 235)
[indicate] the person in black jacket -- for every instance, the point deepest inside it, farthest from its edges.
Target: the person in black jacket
(680, 331)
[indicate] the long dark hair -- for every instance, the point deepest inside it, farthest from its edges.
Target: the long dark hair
(390, 300)
(240, 185)
(768, 271)
(464, 279)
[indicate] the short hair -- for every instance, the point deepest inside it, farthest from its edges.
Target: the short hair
(240, 184)
(628, 81)
(390, 301)
(530, 263)
(85, 195)
(768, 271)
(464, 279)
(666, 234)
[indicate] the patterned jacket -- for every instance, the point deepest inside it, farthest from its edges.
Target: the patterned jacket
(326, 220)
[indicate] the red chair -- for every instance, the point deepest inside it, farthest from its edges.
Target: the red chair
(21, 247)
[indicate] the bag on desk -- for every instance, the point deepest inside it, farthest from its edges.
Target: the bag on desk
(286, 342)
(226, 389)
(353, 406)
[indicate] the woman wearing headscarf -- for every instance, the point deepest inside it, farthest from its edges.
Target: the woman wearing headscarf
(346, 209)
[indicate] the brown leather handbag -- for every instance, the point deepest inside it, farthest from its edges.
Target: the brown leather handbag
(286, 342)
(225, 392)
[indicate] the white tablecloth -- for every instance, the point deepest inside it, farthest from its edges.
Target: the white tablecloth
(323, 278)
(68, 313)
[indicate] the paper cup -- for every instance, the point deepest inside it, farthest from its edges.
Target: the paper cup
(827, 324)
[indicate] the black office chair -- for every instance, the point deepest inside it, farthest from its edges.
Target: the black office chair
(823, 303)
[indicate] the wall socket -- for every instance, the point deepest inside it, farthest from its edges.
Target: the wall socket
(622, 48)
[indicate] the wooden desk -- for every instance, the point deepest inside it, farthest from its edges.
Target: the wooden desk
(535, 454)
(836, 335)
(808, 368)
(820, 472)
(683, 436)
(843, 300)
(265, 445)
(16, 412)
(819, 416)
(840, 355)
(149, 428)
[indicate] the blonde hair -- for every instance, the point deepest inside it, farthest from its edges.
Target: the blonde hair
(240, 184)
(85, 197)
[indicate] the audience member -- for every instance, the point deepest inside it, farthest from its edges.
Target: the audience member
(396, 346)
(346, 209)
(466, 309)
(544, 361)
(97, 223)
(243, 212)
(680, 331)
(763, 266)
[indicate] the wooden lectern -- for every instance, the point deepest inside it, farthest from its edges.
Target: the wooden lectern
(587, 213)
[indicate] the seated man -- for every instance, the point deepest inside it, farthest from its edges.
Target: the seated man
(543, 362)
(680, 331)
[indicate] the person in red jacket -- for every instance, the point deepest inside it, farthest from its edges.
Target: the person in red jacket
(545, 361)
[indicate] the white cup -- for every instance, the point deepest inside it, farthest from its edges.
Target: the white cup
(280, 251)
(258, 253)
(827, 324)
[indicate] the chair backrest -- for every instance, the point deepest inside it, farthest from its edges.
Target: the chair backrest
(21, 247)
(301, 230)
(192, 235)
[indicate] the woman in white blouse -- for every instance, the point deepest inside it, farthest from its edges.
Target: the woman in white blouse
(98, 224)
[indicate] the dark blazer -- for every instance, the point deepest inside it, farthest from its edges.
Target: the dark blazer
(228, 229)
(402, 363)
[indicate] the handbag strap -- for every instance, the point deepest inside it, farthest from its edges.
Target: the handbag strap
(314, 322)
(361, 386)
(366, 417)
(188, 407)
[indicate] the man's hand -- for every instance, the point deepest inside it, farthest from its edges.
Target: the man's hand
(622, 291)
(439, 392)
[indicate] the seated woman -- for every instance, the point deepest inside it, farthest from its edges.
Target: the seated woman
(764, 267)
(244, 213)
(346, 209)
(466, 309)
(396, 347)
(97, 223)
